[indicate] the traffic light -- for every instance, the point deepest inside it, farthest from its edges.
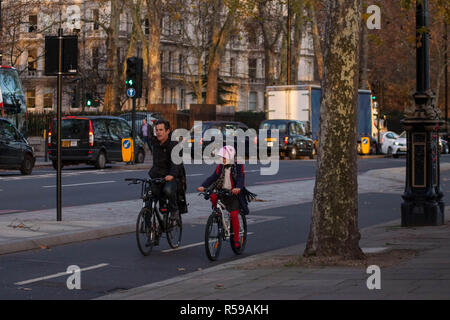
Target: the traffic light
(373, 97)
(89, 100)
(134, 75)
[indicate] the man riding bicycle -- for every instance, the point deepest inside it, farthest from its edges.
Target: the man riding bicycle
(163, 167)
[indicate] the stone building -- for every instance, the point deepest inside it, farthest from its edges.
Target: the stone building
(242, 67)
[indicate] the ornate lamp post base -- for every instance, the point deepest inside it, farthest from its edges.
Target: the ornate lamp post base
(423, 199)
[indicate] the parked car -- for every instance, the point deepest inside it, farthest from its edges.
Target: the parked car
(151, 117)
(293, 138)
(225, 128)
(393, 144)
(443, 146)
(15, 152)
(93, 140)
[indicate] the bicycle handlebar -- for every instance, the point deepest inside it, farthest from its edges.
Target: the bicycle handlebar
(138, 180)
(222, 192)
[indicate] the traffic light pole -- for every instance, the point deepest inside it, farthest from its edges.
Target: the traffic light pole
(58, 142)
(133, 127)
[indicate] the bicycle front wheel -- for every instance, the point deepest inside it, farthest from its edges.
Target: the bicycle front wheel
(242, 235)
(174, 231)
(213, 237)
(146, 231)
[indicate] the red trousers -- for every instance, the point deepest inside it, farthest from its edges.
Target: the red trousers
(234, 215)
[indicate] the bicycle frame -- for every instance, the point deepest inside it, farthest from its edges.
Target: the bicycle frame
(148, 201)
(222, 212)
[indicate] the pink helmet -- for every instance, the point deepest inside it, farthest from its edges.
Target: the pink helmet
(227, 152)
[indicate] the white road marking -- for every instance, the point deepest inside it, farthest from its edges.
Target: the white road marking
(60, 274)
(192, 245)
(80, 184)
(195, 174)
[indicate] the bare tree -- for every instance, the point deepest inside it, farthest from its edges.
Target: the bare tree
(334, 225)
(221, 29)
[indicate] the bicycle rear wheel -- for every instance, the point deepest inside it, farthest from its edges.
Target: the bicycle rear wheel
(213, 237)
(174, 231)
(146, 231)
(242, 234)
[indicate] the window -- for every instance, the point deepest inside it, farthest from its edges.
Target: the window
(115, 130)
(232, 67)
(95, 17)
(8, 132)
(32, 23)
(32, 60)
(293, 129)
(147, 27)
(252, 68)
(170, 61)
(95, 57)
(300, 128)
(100, 128)
(172, 95)
(182, 98)
(48, 101)
(252, 100)
(161, 58)
(31, 98)
(181, 63)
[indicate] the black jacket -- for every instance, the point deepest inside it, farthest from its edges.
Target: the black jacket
(237, 177)
(162, 161)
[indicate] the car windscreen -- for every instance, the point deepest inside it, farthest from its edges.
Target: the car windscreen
(73, 128)
(281, 126)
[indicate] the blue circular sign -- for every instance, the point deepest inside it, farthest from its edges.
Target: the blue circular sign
(131, 92)
(126, 144)
(365, 141)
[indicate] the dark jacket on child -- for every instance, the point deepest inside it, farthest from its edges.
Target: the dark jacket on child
(237, 181)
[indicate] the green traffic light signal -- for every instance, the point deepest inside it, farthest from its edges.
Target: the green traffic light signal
(373, 97)
(89, 103)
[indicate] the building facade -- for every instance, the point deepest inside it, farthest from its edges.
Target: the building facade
(241, 71)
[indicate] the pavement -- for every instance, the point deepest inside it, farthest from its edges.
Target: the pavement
(414, 262)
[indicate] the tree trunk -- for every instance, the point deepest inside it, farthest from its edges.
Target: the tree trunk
(364, 57)
(219, 39)
(316, 39)
(110, 102)
(334, 224)
(298, 38)
(154, 15)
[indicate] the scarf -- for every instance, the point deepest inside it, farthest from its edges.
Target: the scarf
(221, 180)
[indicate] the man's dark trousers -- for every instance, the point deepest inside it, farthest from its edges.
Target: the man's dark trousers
(169, 189)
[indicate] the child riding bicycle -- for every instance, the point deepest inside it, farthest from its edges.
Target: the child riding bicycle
(230, 176)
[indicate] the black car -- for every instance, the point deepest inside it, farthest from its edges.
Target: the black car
(93, 140)
(228, 131)
(15, 152)
(293, 138)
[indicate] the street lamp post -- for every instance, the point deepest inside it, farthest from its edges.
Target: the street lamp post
(423, 204)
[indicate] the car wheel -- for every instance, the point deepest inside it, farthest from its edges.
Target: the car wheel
(313, 153)
(140, 156)
(101, 160)
(27, 165)
(55, 164)
(389, 152)
(293, 153)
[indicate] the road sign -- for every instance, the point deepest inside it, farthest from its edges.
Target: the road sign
(127, 150)
(365, 145)
(131, 92)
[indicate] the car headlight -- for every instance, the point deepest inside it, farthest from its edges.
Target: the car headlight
(396, 143)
